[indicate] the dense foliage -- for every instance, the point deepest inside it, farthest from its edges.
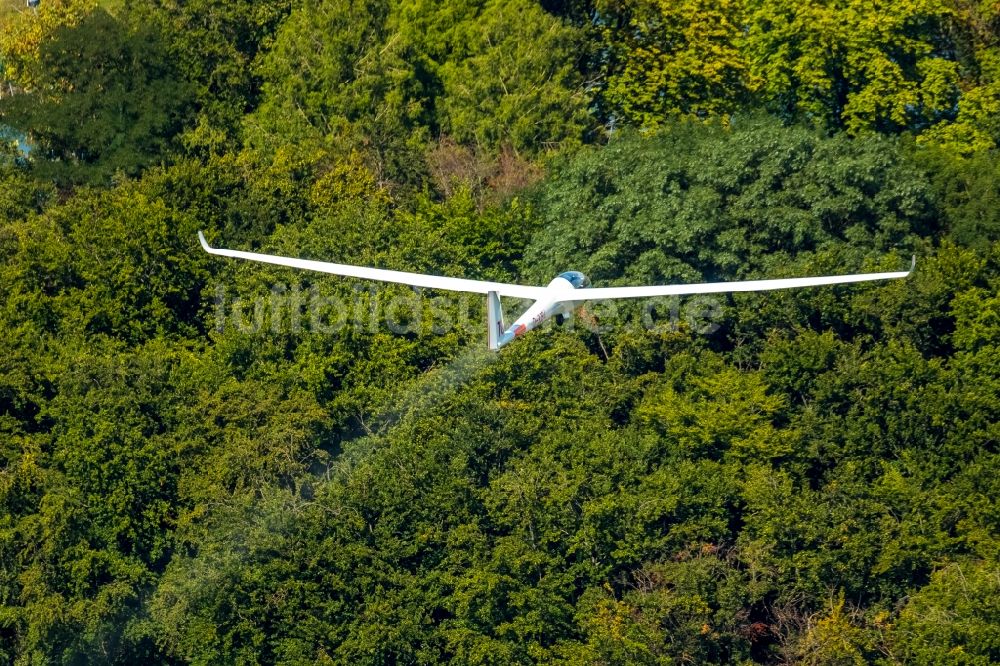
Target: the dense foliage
(207, 461)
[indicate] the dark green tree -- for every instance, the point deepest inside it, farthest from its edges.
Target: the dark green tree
(108, 97)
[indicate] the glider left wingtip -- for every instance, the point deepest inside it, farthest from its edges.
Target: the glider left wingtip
(204, 243)
(913, 264)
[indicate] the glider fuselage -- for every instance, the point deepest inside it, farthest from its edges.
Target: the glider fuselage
(551, 304)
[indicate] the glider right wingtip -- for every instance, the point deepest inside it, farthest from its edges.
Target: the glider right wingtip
(204, 243)
(913, 264)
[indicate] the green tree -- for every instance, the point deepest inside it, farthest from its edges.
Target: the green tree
(362, 91)
(510, 80)
(217, 47)
(852, 65)
(107, 98)
(707, 202)
(953, 619)
(965, 193)
(24, 34)
(660, 60)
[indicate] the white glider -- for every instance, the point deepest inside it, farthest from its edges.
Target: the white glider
(553, 300)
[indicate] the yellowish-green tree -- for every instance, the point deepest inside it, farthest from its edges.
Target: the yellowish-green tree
(857, 65)
(976, 126)
(663, 59)
(930, 67)
(24, 33)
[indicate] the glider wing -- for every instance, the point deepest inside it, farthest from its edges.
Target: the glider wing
(723, 287)
(401, 277)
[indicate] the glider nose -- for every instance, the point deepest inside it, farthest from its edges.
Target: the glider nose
(576, 278)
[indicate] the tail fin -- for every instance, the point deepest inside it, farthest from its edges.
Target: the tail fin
(494, 319)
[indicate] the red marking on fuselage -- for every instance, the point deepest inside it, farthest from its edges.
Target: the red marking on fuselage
(520, 330)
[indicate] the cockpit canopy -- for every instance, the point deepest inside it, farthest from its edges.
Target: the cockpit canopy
(576, 278)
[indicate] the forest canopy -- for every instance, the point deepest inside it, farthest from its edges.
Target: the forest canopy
(212, 462)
